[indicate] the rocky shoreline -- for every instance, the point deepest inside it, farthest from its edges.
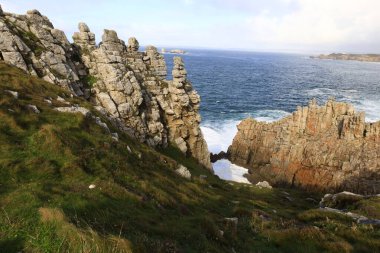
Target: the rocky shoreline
(349, 57)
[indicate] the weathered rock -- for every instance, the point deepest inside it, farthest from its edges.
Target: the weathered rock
(216, 157)
(183, 172)
(74, 109)
(360, 219)
(13, 93)
(127, 86)
(317, 147)
(264, 184)
(340, 200)
(83, 27)
(31, 43)
(33, 108)
(133, 45)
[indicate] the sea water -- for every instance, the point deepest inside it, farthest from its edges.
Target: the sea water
(269, 86)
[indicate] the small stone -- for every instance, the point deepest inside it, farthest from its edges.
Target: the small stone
(91, 186)
(62, 100)
(33, 108)
(115, 137)
(74, 109)
(48, 101)
(13, 93)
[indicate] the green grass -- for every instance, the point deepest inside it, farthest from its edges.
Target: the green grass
(48, 160)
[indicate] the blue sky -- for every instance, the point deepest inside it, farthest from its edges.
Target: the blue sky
(308, 26)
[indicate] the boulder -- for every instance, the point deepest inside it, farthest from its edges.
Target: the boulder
(133, 45)
(264, 184)
(183, 172)
(340, 200)
(33, 108)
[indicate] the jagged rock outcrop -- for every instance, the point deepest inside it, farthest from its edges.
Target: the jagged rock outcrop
(317, 147)
(127, 85)
(30, 42)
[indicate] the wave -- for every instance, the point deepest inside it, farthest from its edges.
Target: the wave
(226, 170)
(371, 109)
(220, 134)
(269, 115)
(369, 106)
(321, 92)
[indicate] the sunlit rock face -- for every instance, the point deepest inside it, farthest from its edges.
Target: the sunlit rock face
(127, 85)
(317, 147)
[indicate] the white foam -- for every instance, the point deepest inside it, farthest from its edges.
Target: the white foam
(269, 115)
(219, 136)
(225, 170)
(321, 92)
(371, 108)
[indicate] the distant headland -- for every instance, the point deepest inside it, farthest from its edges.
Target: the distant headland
(349, 57)
(173, 51)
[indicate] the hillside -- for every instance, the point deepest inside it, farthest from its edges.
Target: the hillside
(68, 185)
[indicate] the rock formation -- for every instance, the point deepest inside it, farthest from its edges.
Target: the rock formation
(317, 147)
(127, 85)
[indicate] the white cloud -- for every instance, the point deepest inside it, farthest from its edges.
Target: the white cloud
(323, 24)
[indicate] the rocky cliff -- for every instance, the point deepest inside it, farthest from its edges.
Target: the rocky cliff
(317, 147)
(128, 86)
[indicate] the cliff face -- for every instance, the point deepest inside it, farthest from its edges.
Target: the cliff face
(317, 147)
(128, 86)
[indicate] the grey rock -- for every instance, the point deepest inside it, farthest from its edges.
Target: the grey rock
(340, 200)
(33, 108)
(13, 93)
(73, 109)
(264, 184)
(183, 172)
(33, 12)
(115, 137)
(83, 27)
(133, 45)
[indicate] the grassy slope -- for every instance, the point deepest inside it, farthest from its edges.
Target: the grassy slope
(48, 160)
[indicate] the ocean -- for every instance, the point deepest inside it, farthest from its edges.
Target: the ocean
(268, 86)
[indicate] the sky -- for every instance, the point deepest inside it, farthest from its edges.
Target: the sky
(303, 26)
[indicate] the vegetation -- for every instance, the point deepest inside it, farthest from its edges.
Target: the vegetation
(139, 203)
(89, 80)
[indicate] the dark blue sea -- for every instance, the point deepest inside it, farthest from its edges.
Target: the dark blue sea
(268, 86)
